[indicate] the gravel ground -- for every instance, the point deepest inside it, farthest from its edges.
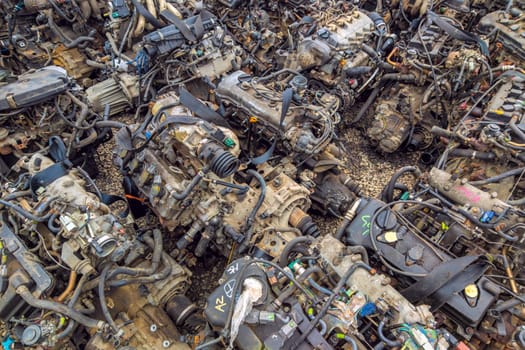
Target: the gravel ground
(364, 165)
(370, 169)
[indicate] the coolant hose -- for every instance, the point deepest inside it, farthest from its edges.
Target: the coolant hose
(51, 223)
(24, 213)
(384, 339)
(28, 297)
(290, 246)
(17, 194)
(110, 124)
(503, 306)
(67, 331)
(359, 249)
(516, 129)
(161, 275)
(143, 271)
(102, 297)
(81, 39)
(351, 341)
(388, 192)
(516, 202)
(499, 177)
(398, 77)
(341, 229)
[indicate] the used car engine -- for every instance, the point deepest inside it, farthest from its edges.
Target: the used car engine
(245, 174)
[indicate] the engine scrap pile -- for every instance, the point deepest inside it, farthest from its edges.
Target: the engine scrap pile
(227, 122)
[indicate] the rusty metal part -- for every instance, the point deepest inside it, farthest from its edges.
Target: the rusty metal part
(508, 270)
(72, 61)
(69, 288)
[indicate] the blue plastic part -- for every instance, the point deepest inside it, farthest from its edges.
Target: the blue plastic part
(367, 309)
(7, 342)
(487, 216)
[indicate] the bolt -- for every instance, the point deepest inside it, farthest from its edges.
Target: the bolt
(153, 328)
(337, 260)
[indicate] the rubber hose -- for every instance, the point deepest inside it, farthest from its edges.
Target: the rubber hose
(28, 297)
(323, 329)
(110, 124)
(67, 331)
(320, 288)
(143, 271)
(163, 274)
(507, 304)
(351, 341)
(364, 108)
(76, 42)
(290, 246)
(148, 16)
(357, 71)
(359, 249)
(389, 189)
(384, 339)
(102, 297)
(499, 177)
(51, 223)
(398, 77)
(370, 52)
(341, 229)
(182, 195)
(470, 153)
(516, 129)
(95, 64)
(24, 213)
(17, 194)
(516, 201)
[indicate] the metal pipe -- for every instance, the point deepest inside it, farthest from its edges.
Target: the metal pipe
(69, 288)
(508, 270)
